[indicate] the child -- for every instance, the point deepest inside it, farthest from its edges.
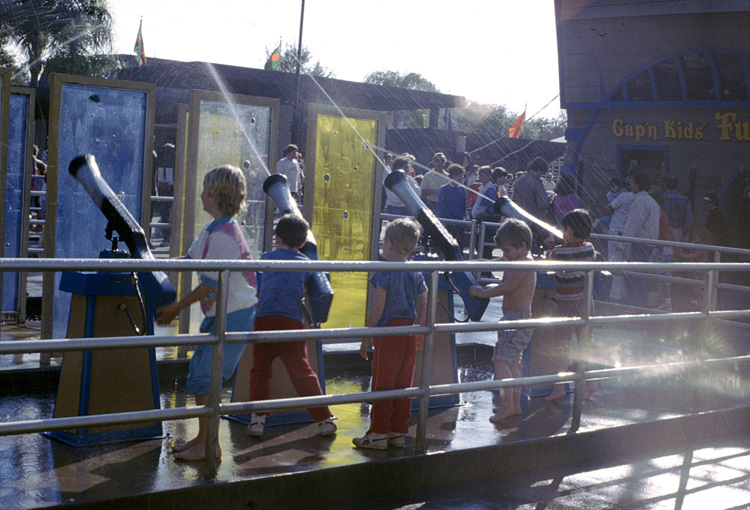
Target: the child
(223, 198)
(280, 308)
(393, 359)
(513, 237)
(569, 291)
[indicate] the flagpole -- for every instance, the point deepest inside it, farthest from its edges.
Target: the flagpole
(295, 112)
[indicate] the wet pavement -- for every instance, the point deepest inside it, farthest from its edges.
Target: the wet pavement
(36, 471)
(700, 478)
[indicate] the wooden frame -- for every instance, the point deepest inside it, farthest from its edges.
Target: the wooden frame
(4, 106)
(58, 82)
(28, 167)
(189, 193)
(312, 133)
(314, 112)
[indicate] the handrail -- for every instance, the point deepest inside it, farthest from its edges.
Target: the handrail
(129, 265)
(215, 408)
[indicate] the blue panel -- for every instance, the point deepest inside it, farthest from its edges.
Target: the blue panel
(111, 125)
(14, 196)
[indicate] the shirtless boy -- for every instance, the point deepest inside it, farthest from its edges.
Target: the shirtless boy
(517, 288)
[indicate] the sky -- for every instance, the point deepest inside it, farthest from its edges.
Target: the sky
(500, 52)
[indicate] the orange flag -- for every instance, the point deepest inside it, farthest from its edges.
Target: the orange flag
(515, 129)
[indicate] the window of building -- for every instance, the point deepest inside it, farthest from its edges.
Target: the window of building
(639, 88)
(668, 85)
(711, 75)
(731, 77)
(698, 76)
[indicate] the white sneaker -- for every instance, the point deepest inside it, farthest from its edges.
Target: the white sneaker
(372, 441)
(257, 424)
(327, 427)
(396, 439)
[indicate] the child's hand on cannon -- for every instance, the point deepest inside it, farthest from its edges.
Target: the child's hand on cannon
(166, 314)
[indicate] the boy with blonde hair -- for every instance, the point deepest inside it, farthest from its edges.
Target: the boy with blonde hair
(223, 197)
(513, 237)
(400, 299)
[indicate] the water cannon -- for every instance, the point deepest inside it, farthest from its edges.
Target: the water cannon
(507, 208)
(85, 169)
(435, 230)
(320, 291)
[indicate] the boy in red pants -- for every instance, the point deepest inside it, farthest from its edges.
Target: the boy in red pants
(280, 308)
(400, 300)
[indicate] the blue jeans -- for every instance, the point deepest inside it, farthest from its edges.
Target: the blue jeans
(199, 374)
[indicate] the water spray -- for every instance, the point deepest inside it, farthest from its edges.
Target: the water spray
(233, 108)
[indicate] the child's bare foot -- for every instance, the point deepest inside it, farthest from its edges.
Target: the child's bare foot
(503, 413)
(197, 452)
(517, 409)
(181, 447)
(557, 393)
(589, 389)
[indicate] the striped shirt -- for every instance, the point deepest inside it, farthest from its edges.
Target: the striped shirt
(569, 284)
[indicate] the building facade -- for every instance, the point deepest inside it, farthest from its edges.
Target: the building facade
(661, 85)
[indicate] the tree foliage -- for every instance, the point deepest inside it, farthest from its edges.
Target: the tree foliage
(288, 62)
(484, 118)
(542, 128)
(43, 36)
(474, 118)
(412, 81)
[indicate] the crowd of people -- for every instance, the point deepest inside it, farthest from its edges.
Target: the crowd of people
(635, 207)
(451, 190)
(641, 208)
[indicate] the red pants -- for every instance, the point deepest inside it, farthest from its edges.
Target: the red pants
(294, 357)
(392, 368)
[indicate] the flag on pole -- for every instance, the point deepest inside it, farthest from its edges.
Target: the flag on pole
(272, 64)
(515, 129)
(140, 52)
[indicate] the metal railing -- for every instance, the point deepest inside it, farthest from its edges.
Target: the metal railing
(708, 315)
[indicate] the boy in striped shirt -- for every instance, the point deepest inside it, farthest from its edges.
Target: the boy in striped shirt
(569, 289)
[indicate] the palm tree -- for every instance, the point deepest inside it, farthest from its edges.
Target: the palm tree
(45, 30)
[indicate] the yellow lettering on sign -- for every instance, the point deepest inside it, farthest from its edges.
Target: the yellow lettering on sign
(728, 124)
(725, 124)
(730, 128)
(636, 131)
(617, 127)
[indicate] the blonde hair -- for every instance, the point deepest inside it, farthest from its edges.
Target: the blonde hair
(226, 184)
(404, 234)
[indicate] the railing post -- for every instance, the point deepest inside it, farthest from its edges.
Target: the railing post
(480, 241)
(217, 362)
(429, 340)
(472, 239)
(584, 338)
(707, 327)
